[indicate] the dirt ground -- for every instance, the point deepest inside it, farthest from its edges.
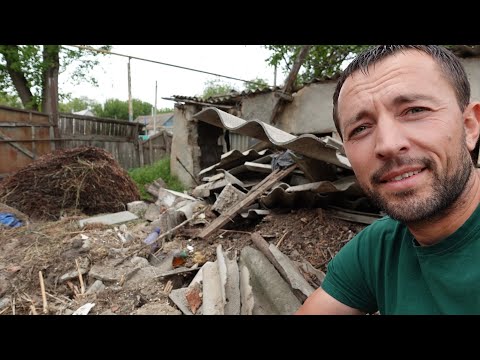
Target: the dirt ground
(57, 248)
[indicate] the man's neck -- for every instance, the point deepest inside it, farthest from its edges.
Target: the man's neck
(431, 232)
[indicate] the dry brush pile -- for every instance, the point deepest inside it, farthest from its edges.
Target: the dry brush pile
(85, 179)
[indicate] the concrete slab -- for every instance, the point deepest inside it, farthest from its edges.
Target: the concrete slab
(212, 290)
(110, 219)
(296, 279)
(272, 294)
(232, 288)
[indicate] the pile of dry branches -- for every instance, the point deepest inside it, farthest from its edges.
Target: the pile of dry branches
(86, 179)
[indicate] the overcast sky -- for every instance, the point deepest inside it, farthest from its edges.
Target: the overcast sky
(240, 61)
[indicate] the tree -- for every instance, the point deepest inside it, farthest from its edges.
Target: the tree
(118, 109)
(31, 71)
(10, 100)
(260, 84)
(216, 87)
(77, 104)
(323, 61)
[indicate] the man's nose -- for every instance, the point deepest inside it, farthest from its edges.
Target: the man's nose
(390, 138)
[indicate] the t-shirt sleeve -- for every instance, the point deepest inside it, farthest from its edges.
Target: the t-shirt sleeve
(346, 279)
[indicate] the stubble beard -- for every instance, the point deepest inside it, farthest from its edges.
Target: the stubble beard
(408, 206)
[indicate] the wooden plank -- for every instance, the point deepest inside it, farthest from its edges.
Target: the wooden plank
(140, 153)
(200, 103)
(33, 142)
(23, 124)
(354, 216)
(150, 152)
(11, 142)
(253, 195)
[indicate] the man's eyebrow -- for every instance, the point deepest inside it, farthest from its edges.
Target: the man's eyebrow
(357, 117)
(405, 99)
(399, 100)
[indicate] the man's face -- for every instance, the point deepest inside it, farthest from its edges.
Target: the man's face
(404, 135)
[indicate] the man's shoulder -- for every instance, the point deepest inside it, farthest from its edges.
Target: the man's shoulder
(383, 229)
(385, 223)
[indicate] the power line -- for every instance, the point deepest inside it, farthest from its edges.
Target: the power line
(162, 63)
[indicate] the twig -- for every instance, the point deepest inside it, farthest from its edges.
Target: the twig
(13, 305)
(281, 239)
(235, 231)
(80, 277)
(1, 312)
(56, 298)
(168, 287)
(44, 297)
(162, 237)
(32, 308)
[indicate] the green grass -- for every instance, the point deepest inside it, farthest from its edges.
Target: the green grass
(147, 174)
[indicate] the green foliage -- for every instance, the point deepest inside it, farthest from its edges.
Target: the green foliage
(216, 87)
(118, 109)
(148, 174)
(164, 110)
(10, 100)
(112, 108)
(323, 61)
(77, 104)
(260, 84)
(31, 62)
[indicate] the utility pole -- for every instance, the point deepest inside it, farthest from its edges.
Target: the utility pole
(155, 111)
(130, 107)
(275, 76)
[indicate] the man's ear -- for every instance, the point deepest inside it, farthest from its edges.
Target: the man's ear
(471, 123)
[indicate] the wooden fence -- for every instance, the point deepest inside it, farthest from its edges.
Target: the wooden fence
(26, 135)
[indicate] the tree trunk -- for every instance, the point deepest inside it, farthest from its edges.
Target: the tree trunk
(51, 64)
(12, 59)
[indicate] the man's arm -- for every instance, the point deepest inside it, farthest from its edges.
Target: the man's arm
(321, 303)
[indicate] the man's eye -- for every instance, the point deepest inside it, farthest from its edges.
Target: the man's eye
(357, 130)
(415, 110)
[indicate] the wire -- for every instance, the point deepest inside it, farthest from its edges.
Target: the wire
(162, 63)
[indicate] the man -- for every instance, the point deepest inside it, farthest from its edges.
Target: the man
(408, 126)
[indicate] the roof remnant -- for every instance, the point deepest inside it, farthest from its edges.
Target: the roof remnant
(308, 144)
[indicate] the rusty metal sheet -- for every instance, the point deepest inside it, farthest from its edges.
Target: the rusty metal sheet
(308, 145)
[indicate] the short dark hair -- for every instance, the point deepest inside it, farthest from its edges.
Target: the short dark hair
(449, 63)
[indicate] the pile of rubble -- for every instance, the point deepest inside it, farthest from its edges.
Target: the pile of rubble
(254, 237)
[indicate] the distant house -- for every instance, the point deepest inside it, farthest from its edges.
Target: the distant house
(163, 121)
(86, 112)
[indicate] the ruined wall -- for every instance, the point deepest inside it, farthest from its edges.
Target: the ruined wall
(185, 144)
(258, 107)
(310, 111)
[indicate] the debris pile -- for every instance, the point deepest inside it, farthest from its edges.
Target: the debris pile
(85, 179)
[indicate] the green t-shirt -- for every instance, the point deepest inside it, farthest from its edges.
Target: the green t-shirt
(384, 268)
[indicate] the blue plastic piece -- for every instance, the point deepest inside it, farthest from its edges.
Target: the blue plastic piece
(10, 220)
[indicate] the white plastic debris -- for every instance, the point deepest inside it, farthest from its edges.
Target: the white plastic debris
(84, 309)
(190, 248)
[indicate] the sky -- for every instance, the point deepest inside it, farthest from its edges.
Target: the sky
(245, 62)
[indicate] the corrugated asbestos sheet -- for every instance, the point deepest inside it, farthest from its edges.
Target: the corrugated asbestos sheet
(308, 195)
(234, 158)
(308, 145)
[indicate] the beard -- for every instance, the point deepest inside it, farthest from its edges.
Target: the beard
(408, 206)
